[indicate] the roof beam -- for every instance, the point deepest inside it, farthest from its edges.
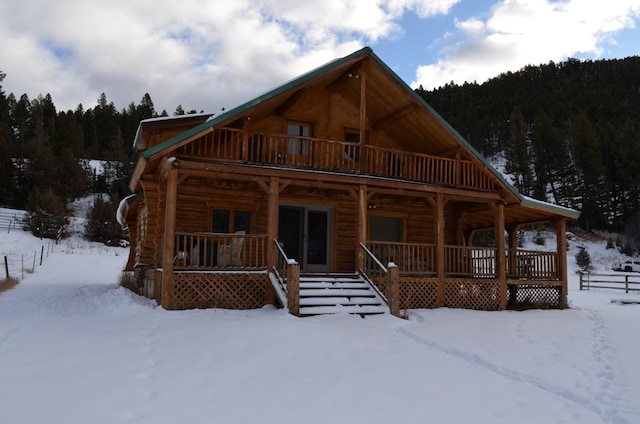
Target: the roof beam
(290, 102)
(310, 178)
(395, 116)
(353, 72)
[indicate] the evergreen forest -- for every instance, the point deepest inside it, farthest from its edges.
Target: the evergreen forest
(568, 133)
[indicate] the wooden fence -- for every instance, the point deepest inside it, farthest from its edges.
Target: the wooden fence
(11, 220)
(619, 281)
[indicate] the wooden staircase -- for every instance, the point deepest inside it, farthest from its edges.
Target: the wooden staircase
(339, 294)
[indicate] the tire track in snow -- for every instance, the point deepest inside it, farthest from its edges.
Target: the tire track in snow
(608, 414)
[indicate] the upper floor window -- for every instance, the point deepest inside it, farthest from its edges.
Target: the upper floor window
(298, 145)
(352, 150)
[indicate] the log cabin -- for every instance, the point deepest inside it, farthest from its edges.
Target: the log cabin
(339, 191)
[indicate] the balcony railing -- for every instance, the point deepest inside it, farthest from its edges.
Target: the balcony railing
(214, 251)
(338, 156)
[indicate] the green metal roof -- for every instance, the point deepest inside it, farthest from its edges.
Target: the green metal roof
(258, 100)
(366, 51)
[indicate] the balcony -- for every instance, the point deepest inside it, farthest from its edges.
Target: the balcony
(231, 145)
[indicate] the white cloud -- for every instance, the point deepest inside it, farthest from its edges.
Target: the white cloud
(522, 32)
(198, 53)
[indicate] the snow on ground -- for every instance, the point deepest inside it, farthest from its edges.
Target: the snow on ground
(77, 348)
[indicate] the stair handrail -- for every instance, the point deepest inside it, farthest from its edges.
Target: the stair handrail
(365, 274)
(280, 269)
(373, 257)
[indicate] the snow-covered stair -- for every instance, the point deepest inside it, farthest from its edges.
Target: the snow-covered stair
(339, 294)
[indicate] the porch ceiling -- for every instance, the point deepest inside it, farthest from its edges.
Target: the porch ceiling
(483, 217)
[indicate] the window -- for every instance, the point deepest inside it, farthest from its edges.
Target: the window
(386, 228)
(298, 146)
(352, 153)
(229, 221)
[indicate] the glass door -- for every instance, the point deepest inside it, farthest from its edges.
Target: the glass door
(305, 233)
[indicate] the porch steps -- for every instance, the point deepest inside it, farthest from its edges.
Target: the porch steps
(322, 294)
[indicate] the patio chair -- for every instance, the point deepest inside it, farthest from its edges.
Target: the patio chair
(229, 254)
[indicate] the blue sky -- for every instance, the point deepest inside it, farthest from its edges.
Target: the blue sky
(206, 55)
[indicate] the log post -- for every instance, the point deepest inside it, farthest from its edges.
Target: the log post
(361, 230)
(362, 74)
(501, 269)
(512, 264)
(561, 247)
(293, 288)
(169, 235)
(245, 140)
(393, 289)
(272, 222)
(440, 251)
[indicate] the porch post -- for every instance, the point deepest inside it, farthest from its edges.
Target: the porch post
(272, 222)
(168, 288)
(513, 259)
(501, 268)
(440, 264)
(361, 223)
(561, 237)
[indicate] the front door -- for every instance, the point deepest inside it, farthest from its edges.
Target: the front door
(305, 233)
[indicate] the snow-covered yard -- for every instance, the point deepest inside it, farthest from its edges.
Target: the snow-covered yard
(77, 348)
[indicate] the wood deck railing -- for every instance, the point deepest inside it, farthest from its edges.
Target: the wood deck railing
(215, 251)
(532, 264)
(411, 258)
(337, 156)
(464, 261)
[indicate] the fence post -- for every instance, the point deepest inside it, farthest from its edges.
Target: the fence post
(6, 266)
(626, 284)
(580, 274)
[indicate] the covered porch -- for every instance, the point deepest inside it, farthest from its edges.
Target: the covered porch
(232, 271)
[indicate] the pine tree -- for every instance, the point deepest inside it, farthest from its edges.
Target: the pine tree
(7, 168)
(517, 153)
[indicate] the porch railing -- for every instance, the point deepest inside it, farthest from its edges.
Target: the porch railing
(532, 264)
(373, 266)
(466, 261)
(332, 155)
(411, 258)
(216, 251)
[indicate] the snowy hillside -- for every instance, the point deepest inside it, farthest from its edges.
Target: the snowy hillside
(77, 348)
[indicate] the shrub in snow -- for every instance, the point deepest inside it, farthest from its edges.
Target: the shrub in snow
(46, 215)
(102, 225)
(583, 260)
(610, 244)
